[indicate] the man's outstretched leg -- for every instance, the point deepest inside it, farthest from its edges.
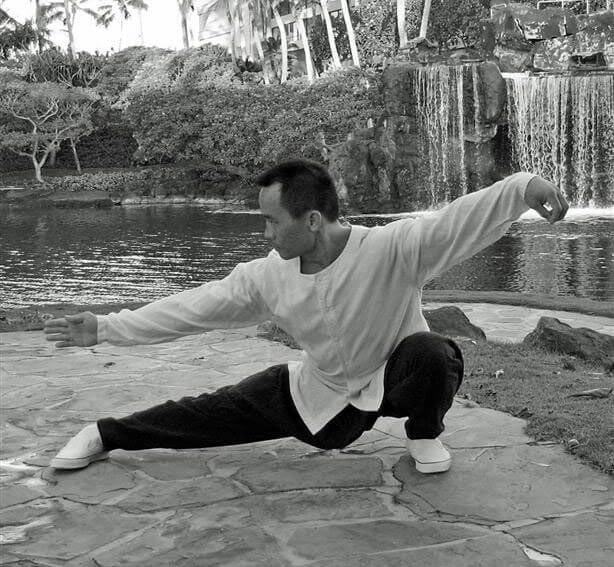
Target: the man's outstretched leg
(258, 408)
(255, 409)
(422, 376)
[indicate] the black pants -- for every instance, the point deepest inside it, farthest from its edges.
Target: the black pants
(421, 378)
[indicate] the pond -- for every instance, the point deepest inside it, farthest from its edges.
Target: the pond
(141, 253)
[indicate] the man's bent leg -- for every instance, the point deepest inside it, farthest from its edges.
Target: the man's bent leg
(422, 376)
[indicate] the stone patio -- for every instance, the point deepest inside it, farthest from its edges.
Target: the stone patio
(507, 501)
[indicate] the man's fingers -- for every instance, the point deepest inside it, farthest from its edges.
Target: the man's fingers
(543, 212)
(74, 318)
(56, 323)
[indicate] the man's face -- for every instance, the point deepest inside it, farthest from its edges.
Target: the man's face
(289, 236)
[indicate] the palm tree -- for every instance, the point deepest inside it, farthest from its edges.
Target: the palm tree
(426, 11)
(107, 12)
(185, 6)
(401, 24)
(299, 11)
(283, 38)
(345, 10)
(331, 34)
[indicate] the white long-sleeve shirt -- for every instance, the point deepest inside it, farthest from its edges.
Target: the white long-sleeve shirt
(350, 316)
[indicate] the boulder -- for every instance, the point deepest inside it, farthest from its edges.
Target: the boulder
(556, 336)
(452, 322)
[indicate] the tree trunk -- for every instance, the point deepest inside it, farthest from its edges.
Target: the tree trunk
(284, 45)
(69, 22)
(426, 12)
(184, 31)
(37, 169)
(331, 34)
(266, 71)
(75, 155)
(350, 30)
(401, 24)
(302, 30)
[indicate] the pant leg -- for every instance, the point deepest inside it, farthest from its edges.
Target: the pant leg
(258, 408)
(421, 378)
(255, 409)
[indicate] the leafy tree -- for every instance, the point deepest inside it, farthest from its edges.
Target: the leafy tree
(37, 117)
(15, 37)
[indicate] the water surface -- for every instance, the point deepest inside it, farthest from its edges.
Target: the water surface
(142, 253)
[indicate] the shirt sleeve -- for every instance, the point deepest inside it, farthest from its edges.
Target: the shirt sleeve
(228, 303)
(436, 242)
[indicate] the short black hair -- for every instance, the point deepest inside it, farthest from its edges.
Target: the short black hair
(305, 186)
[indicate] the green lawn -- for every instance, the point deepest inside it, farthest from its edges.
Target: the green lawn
(536, 386)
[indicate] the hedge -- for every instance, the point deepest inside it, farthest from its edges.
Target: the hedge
(250, 125)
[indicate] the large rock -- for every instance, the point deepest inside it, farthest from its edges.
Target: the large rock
(557, 336)
(392, 165)
(452, 322)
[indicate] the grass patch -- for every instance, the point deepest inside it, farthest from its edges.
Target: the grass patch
(536, 385)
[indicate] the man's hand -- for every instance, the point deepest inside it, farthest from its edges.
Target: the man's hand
(546, 199)
(73, 330)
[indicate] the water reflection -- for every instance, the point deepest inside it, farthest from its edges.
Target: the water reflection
(143, 253)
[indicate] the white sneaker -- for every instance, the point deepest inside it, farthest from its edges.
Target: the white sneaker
(84, 448)
(430, 455)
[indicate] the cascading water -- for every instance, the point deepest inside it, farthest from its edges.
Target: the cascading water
(562, 128)
(449, 114)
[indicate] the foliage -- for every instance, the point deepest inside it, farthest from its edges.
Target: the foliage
(121, 68)
(53, 65)
(37, 117)
(15, 37)
(248, 125)
(376, 31)
(454, 23)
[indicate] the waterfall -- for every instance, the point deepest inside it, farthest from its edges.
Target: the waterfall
(448, 114)
(562, 128)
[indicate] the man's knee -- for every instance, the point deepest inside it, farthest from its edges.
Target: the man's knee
(433, 350)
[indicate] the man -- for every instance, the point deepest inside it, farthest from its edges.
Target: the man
(348, 294)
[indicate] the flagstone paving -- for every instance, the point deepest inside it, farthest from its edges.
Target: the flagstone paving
(506, 501)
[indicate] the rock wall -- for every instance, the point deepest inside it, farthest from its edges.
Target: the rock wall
(433, 143)
(553, 39)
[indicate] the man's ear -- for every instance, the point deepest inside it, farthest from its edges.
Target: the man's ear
(314, 220)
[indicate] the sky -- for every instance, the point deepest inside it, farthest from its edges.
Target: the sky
(159, 25)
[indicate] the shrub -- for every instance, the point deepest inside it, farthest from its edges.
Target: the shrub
(121, 68)
(457, 23)
(250, 125)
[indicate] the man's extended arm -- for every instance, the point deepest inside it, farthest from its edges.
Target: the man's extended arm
(231, 302)
(436, 242)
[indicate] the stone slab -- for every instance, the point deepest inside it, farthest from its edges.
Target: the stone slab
(75, 530)
(163, 465)
(182, 543)
(487, 551)
(468, 427)
(90, 485)
(159, 495)
(585, 540)
(13, 494)
(505, 484)
(347, 539)
(312, 472)
(316, 505)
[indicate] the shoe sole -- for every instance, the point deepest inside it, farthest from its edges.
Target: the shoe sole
(81, 463)
(438, 467)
